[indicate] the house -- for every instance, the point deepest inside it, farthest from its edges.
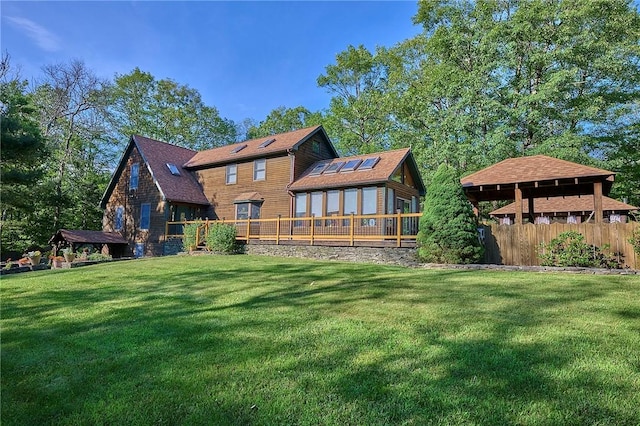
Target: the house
(288, 175)
(570, 209)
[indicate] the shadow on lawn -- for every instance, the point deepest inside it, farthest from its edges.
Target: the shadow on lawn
(348, 344)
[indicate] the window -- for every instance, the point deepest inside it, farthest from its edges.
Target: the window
(173, 169)
(232, 173)
(316, 147)
(334, 167)
(316, 205)
(351, 165)
(260, 169)
(247, 211)
(267, 143)
(333, 207)
(391, 201)
(301, 208)
(369, 163)
(119, 218)
(350, 204)
(369, 204)
(145, 216)
(318, 169)
(133, 178)
(238, 148)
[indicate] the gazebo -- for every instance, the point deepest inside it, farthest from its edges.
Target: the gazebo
(112, 242)
(537, 176)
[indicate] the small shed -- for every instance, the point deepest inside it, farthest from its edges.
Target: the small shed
(109, 242)
(538, 176)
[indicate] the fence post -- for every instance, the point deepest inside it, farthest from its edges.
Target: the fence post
(278, 230)
(313, 228)
(399, 230)
(351, 230)
(248, 229)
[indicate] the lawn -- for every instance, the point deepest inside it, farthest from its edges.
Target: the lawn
(245, 340)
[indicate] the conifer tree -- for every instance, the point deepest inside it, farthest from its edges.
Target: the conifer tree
(448, 228)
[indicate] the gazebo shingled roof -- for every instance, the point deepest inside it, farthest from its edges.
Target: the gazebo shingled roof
(570, 204)
(535, 177)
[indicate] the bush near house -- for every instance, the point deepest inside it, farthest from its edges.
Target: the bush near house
(448, 227)
(189, 239)
(570, 249)
(221, 238)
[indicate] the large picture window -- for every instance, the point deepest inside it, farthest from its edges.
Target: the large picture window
(145, 216)
(260, 169)
(350, 204)
(119, 220)
(232, 174)
(369, 204)
(316, 205)
(134, 176)
(333, 206)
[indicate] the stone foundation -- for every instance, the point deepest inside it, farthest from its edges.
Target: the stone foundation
(386, 256)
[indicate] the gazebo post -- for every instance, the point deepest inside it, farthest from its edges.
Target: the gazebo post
(597, 202)
(532, 214)
(518, 196)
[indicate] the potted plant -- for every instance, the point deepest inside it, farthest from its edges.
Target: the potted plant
(56, 262)
(69, 255)
(34, 257)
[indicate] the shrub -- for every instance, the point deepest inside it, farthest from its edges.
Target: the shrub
(570, 249)
(448, 227)
(634, 240)
(99, 257)
(189, 236)
(222, 238)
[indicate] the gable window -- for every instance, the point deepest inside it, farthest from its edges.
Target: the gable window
(232, 173)
(260, 169)
(316, 147)
(118, 224)
(133, 177)
(145, 216)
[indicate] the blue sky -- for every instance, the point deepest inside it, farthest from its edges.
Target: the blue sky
(245, 58)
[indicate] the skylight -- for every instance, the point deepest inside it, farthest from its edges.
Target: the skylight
(351, 165)
(318, 169)
(239, 148)
(173, 169)
(333, 168)
(267, 143)
(369, 163)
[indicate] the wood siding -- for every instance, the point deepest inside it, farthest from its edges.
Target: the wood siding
(306, 156)
(273, 189)
(132, 201)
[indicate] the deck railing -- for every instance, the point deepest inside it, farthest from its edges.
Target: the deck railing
(348, 230)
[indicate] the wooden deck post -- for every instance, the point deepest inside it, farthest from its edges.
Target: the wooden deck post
(399, 229)
(351, 230)
(313, 229)
(278, 230)
(248, 228)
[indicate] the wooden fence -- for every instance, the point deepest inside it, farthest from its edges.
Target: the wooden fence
(519, 244)
(397, 230)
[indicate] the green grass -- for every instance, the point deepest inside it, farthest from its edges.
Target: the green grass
(268, 341)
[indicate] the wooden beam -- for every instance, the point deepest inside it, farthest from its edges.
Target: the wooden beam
(597, 201)
(518, 196)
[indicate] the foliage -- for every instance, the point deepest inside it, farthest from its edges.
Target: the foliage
(448, 227)
(271, 341)
(190, 234)
(634, 240)
(167, 111)
(570, 249)
(282, 120)
(222, 238)
(99, 257)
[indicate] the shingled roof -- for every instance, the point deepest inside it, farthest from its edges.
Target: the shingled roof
(382, 172)
(535, 168)
(254, 148)
(157, 155)
(88, 237)
(570, 204)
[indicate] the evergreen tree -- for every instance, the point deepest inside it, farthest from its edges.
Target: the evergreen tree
(448, 227)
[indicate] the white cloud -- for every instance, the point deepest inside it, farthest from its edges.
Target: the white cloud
(45, 39)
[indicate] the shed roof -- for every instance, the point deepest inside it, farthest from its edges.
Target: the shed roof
(382, 172)
(254, 148)
(79, 236)
(570, 204)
